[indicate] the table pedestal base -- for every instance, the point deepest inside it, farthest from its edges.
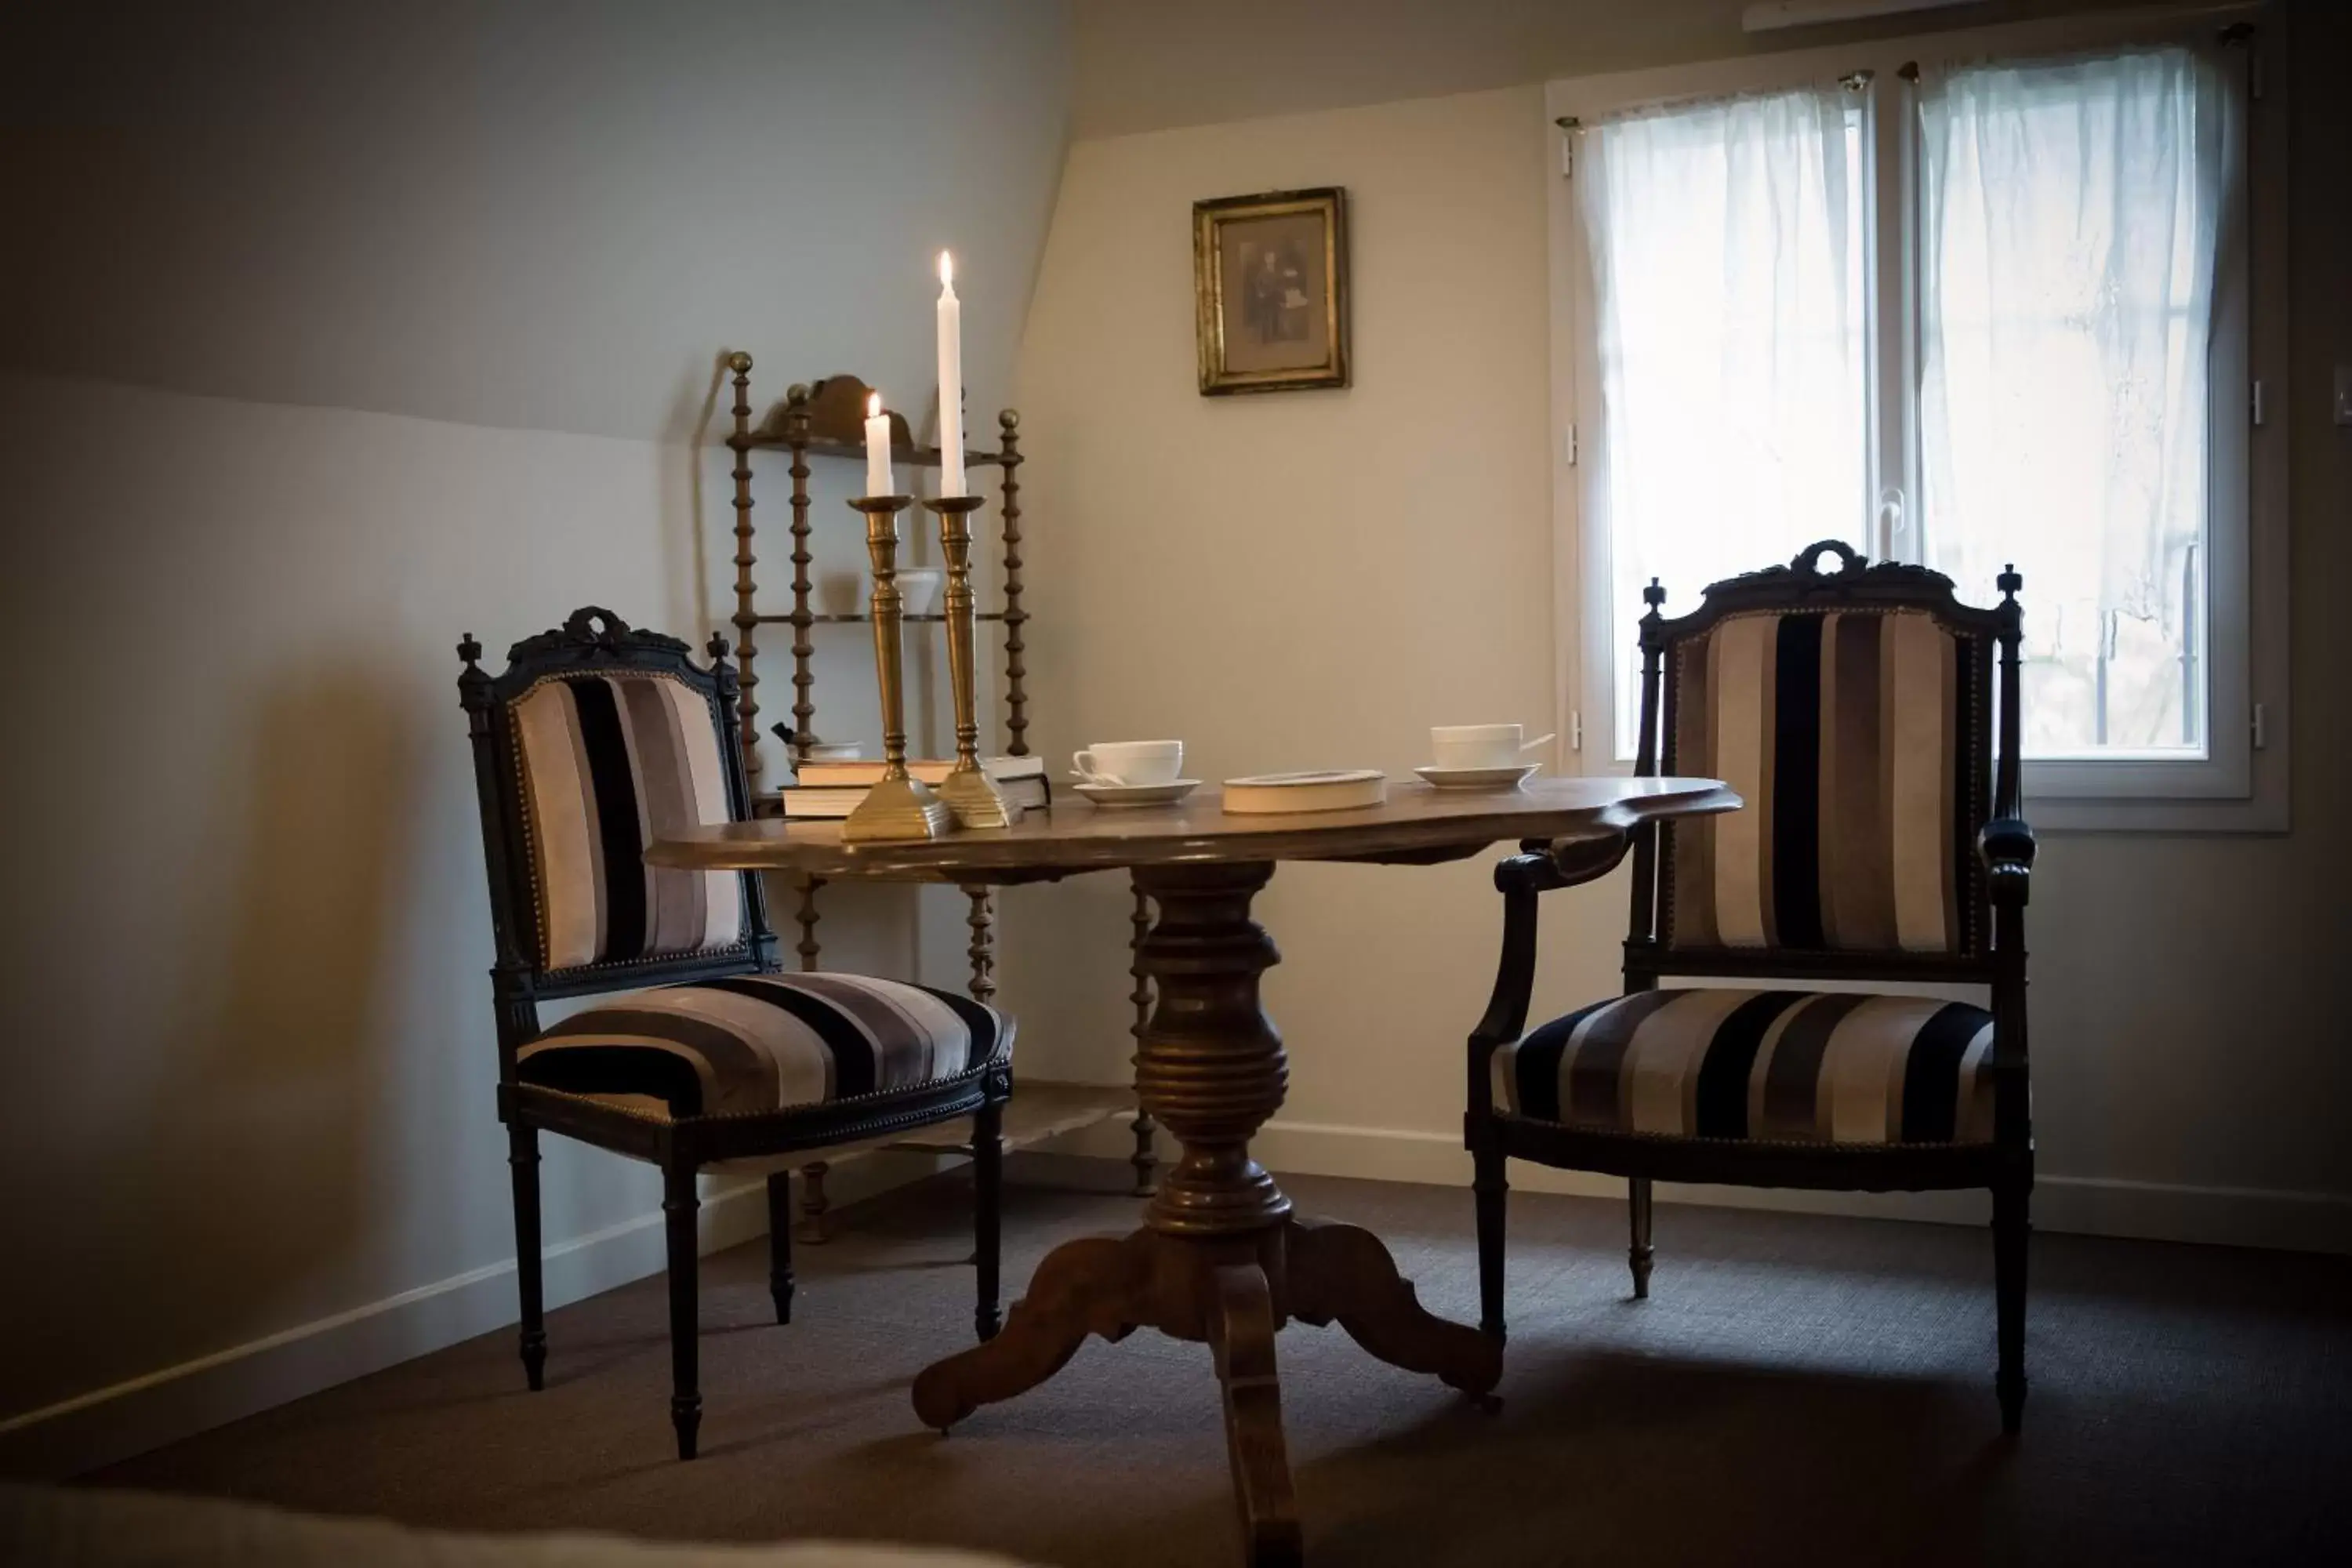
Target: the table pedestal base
(1234, 1296)
(1220, 1259)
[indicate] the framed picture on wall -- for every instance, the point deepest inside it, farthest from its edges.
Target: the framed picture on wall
(1270, 287)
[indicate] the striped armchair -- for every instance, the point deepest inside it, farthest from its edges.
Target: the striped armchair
(1881, 841)
(596, 740)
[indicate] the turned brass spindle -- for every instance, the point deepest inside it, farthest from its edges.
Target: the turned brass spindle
(1144, 1159)
(899, 807)
(812, 1227)
(983, 951)
(1016, 697)
(808, 917)
(746, 618)
(796, 436)
(969, 792)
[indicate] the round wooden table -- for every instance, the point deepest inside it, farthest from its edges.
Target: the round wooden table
(1221, 1259)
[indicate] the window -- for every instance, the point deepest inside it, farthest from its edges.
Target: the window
(1726, 245)
(2070, 218)
(1962, 312)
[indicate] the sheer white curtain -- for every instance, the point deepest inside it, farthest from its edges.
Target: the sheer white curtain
(1725, 241)
(2070, 214)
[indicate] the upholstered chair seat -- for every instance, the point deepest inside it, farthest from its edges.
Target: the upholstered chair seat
(1790, 1067)
(751, 1045)
(697, 1053)
(1882, 847)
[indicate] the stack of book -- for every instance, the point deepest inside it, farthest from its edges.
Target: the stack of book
(831, 791)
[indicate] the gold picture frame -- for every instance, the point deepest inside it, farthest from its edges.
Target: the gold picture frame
(1270, 290)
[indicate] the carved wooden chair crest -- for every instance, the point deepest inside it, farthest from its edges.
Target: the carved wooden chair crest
(1883, 840)
(596, 740)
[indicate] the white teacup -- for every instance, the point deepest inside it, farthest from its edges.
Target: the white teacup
(1480, 745)
(1130, 761)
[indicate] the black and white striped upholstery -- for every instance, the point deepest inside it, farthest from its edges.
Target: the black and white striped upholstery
(1798, 1066)
(610, 763)
(755, 1042)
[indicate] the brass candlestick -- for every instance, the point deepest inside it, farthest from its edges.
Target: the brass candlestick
(969, 792)
(899, 807)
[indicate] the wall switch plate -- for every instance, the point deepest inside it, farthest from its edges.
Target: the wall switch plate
(2344, 394)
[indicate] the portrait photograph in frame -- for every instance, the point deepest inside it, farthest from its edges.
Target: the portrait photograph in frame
(1270, 287)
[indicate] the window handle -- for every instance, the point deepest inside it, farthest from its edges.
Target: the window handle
(1892, 523)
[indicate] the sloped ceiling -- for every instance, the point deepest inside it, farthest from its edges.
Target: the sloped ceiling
(542, 217)
(1146, 65)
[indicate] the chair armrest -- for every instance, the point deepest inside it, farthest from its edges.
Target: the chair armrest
(1543, 866)
(1518, 879)
(2006, 847)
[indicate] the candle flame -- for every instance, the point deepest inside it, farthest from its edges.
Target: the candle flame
(947, 270)
(874, 406)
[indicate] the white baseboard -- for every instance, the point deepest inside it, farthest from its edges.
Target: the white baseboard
(113, 1423)
(2086, 1205)
(146, 1412)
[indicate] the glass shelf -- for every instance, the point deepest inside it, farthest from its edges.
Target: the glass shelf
(861, 619)
(826, 446)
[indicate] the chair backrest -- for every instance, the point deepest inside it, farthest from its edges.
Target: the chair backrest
(596, 740)
(1853, 712)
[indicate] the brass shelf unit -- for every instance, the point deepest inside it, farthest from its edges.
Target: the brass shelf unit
(827, 418)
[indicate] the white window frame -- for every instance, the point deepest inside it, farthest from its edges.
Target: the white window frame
(2241, 782)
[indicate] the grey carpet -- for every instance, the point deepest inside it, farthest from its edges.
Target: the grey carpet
(1797, 1389)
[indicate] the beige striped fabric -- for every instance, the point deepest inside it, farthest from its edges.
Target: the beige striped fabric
(1805, 1067)
(754, 1043)
(609, 763)
(1842, 731)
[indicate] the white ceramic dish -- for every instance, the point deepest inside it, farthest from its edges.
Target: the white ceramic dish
(1510, 775)
(1322, 789)
(1167, 794)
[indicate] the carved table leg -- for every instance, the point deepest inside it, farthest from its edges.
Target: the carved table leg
(1220, 1258)
(1091, 1287)
(1345, 1272)
(1241, 1334)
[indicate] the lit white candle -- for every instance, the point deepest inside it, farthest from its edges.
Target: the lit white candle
(877, 447)
(950, 381)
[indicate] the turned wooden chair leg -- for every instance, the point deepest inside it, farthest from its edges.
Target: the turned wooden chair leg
(2010, 1229)
(522, 1158)
(1637, 1206)
(1490, 1192)
(779, 1242)
(812, 1204)
(988, 1209)
(679, 1205)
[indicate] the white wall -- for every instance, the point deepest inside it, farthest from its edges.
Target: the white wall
(329, 334)
(1310, 578)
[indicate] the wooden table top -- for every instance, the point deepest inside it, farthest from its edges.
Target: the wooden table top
(1416, 824)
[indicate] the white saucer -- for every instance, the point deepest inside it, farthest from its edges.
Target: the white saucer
(1510, 775)
(1166, 794)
